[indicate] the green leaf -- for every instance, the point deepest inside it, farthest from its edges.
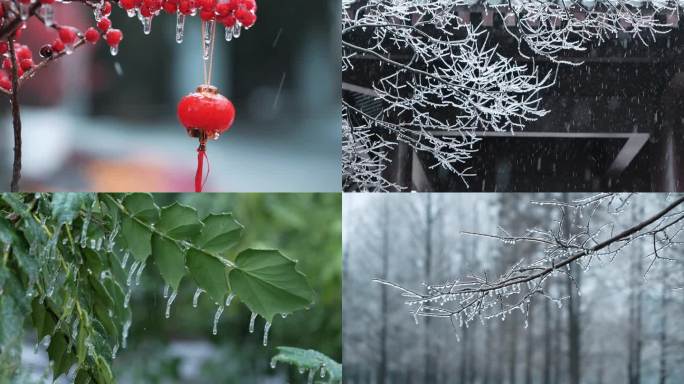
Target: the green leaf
(310, 360)
(66, 206)
(220, 233)
(269, 284)
(138, 238)
(179, 222)
(11, 334)
(43, 321)
(209, 274)
(60, 356)
(169, 259)
(142, 206)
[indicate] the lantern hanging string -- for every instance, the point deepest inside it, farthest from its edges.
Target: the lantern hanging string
(200, 178)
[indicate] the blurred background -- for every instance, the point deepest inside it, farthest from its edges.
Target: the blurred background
(96, 122)
(620, 321)
(182, 349)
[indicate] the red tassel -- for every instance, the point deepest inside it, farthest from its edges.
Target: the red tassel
(200, 179)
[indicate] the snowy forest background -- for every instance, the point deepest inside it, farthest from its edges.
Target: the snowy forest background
(620, 321)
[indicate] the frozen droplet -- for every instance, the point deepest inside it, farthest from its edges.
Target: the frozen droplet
(147, 25)
(166, 291)
(283, 315)
(139, 273)
(208, 37)
(130, 12)
(24, 10)
(170, 300)
(301, 370)
(229, 33)
(229, 299)
(267, 327)
(47, 12)
(217, 316)
(322, 375)
(195, 298)
(273, 363)
(114, 49)
(237, 29)
(180, 27)
(251, 322)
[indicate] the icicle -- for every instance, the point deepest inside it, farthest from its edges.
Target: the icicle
(273, 363)
(207, 36)
(134, 267)
(126, 327)
(114, 50)
(114, 351)
(251, 322)
(139, 273)
(127, 299)
(180, 27)
(310, 379)
(229, 299)
(195, 298)
(84, 230)
(166, 291)
(217, 316)
(229, 34)
(48, 14)
(125, 259)
(24, 10)
(237, 28)
(322, 371)
(111, 240)
(267, 327)
(147, 25)
(167, 314)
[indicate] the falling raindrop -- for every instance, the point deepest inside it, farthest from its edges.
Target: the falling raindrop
(217, 316)
(267, 327)
(195, 298)
(180, 27)
(170, 300)
(251, 322)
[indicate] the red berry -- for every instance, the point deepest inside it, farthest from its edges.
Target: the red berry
(7, 64)
(206, 110)
(186, 6)
(127, 4)
(5, 81)
(113, 37)
(23, 52)
(207, 15)
(104, 24)
(170, 7)
(249, 5)
(2, 10)
(106, 8)
(229, 21)
(223, 9)
(67, 35)
(145, 11)
(26, 64)
(58, 45)
(92, 35)
(4, 47)
(206, 5)
(245, 17)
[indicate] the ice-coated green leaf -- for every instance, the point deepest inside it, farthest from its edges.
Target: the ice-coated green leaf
(269, 283)
(138, 238)
(66, 206)
(209, 273)
(142, 206)
(11, 334)
(309, 359)
(219, 234)
(179, 222)
(169, 259)
(43, 321)
(60, 356)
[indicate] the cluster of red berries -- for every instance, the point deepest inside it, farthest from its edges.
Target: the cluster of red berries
(227, 12)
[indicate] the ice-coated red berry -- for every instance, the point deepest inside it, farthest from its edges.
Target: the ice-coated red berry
(92, 35)
(250, 5)
(206, 5)
(170, 7)
(6, 64)
(127, 4)
(58, 46)
(106, 8)
(26, 64)
(104, 24)
(207, 15)
(5, 81)
(245, 17)
(113, 37)
(67, 35)
(23, 52)
(229, 21)
(4, 47)
(207, 111)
